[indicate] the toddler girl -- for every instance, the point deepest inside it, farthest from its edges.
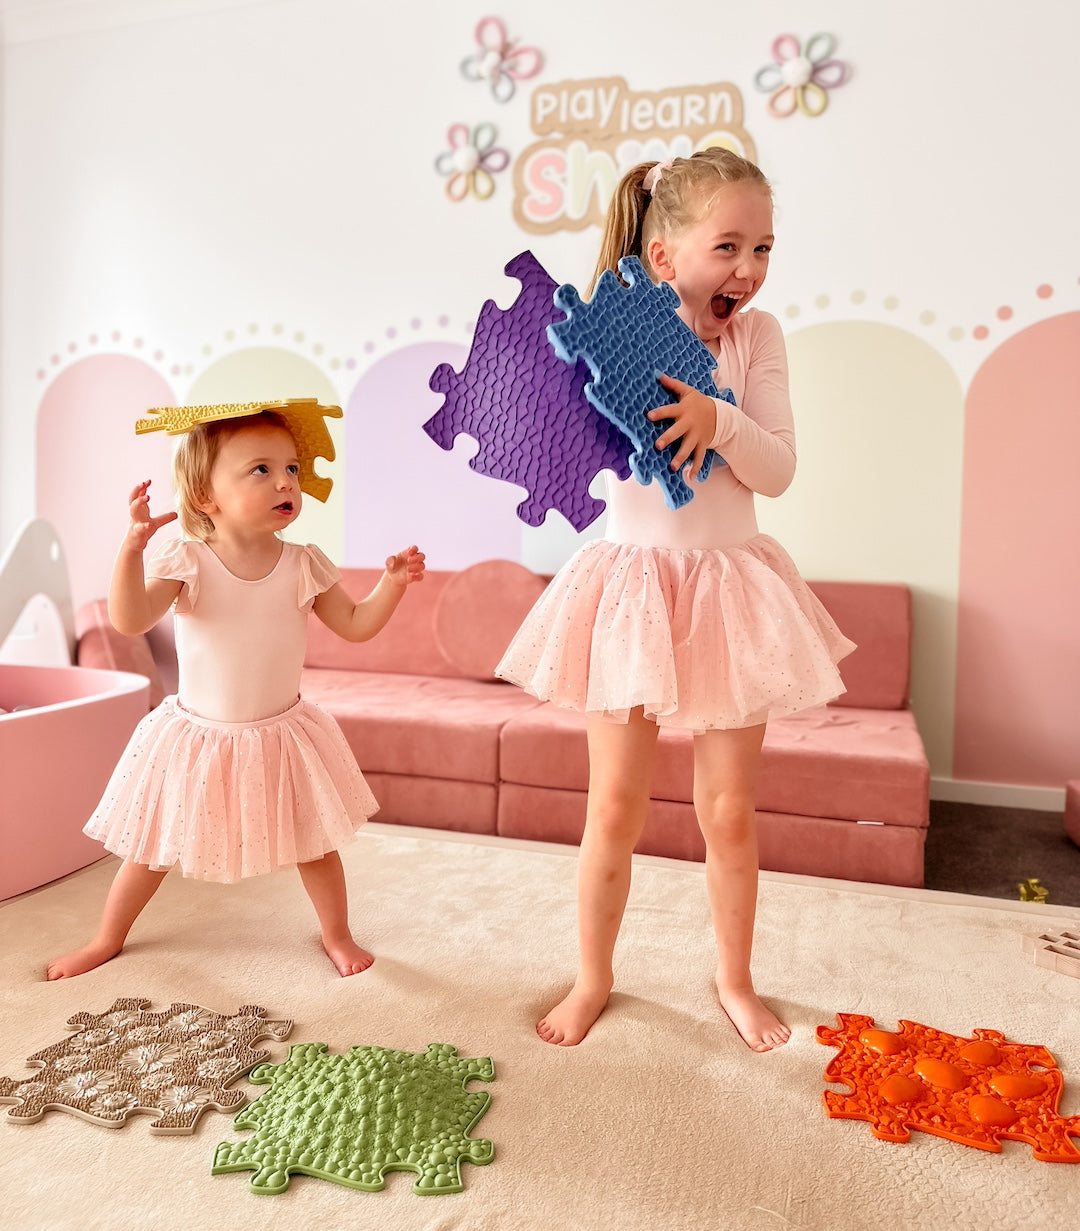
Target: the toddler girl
(686, 618)
(235, 775)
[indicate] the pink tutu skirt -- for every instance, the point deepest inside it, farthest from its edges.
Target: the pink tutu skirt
(701, 639)
(226, 800)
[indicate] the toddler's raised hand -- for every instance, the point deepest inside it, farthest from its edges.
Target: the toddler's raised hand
(693, 424)
(143, 527)
(407, 566)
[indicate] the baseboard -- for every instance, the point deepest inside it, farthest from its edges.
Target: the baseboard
(998, 794)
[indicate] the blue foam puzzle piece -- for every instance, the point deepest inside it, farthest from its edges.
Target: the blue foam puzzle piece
(527, 409)
(628, 335)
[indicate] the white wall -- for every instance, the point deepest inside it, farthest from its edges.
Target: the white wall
(272, 162)
(198, 176)
(266, 163)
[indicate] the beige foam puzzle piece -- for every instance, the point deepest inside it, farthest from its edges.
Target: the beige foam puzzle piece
(1057, 951)
(175, 1063)
(306, 418)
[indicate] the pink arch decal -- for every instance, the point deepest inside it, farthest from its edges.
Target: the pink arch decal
(1018, 663)
(88, 459)
(402, 488)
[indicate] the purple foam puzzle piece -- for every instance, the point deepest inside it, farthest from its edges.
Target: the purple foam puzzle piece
(628, 334)
(527, 408)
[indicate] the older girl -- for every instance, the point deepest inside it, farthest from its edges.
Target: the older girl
(686, 618)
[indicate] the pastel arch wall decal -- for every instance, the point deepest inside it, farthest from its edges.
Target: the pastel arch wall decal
(879, 430)
(88, 459)
(1018, 665)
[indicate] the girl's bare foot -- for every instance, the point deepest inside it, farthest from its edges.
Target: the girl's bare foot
(573, 1017)
(761, 1030)
(81, 960)
(347, 956)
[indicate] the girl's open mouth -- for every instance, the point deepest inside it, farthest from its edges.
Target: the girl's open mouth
(723, 306)
(284, 507)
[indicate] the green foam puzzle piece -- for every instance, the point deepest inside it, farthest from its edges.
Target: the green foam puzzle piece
(351, 1118)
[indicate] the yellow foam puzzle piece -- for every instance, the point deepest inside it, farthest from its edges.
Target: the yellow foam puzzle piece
(306, 418)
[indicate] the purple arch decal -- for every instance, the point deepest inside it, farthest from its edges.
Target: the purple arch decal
(402, 488)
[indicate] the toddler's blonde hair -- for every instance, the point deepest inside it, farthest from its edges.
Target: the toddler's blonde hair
(681, 195)
(193, 461)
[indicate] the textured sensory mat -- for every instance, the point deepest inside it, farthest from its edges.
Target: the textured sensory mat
(972, 1090)
(628, 335)
(306, 418)
(1057, 951)
(527, 409)
(351, 1118)
(175, 1064)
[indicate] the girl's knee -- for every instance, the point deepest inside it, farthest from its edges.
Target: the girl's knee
(726, 818)
(617, 823)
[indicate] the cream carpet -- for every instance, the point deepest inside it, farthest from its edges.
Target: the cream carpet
(661, 1120)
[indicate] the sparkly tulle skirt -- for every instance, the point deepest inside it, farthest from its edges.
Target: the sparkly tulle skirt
(701, 639)
(226, 800)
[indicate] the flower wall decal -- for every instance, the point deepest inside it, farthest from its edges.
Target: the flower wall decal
(472, 161)
(799, 77)
(499, 61)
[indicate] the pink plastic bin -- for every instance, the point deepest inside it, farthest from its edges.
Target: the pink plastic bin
(55, 760)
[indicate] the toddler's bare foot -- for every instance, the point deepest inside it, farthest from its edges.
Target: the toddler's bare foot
(347, 956)
(81, 960)
(572, 1018)
(760, 1028)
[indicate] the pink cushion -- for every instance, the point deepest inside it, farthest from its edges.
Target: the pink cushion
(101, 647)
(423, 725)
(478, 612)
(877, 617)
(865, 765)
(859, 765)
(406, 644)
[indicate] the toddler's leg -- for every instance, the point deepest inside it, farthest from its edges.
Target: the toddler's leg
(620, 776)
(725, 776)
(133, 886)
(324, 880)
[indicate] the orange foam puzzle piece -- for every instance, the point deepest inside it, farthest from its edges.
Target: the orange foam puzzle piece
(975, 1091)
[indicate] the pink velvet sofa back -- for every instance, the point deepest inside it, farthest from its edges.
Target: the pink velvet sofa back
(459, 623)
(452, 624)
(877, 617)
(843, 791)
(406, 644)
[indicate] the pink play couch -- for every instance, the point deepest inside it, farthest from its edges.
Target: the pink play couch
(844, 790)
